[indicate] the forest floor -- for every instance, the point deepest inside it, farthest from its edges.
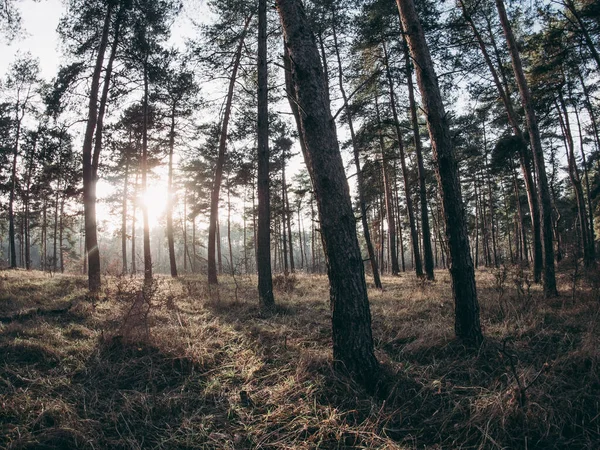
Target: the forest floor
(178, 366)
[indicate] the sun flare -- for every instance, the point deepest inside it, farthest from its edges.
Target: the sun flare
(155, 199)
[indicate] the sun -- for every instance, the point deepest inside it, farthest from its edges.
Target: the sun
(155, 199)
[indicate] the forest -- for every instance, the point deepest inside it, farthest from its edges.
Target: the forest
(300, 224)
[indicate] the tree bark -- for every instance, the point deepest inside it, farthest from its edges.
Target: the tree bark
(89, 185)
(353, 348)
(466, 326)
(263, 250)
(545, 203)
(170, 237)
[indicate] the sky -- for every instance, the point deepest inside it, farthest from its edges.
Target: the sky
(38, 36)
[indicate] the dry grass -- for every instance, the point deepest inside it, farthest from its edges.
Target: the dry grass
(204, 368)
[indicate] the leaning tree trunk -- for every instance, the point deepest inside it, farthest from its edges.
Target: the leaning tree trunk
(466, 326)
(524, 157)
(359, 175)
(89, 184)
(545, 203)
(263, 250)
(351, 318)
(216, 189)
(575, 180)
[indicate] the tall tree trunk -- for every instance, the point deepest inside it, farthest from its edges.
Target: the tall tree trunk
(389, 202)
(286, 203)
(545, 203)
(263, 249)
(60, 234)
(467, 326)
(351, 319)
(26, 219)
(359, 174)
(414, 236)
(476, 227)
(575, 179)
(124, 211)
(55, 236)
(524, 158)
(427, 252)
(591, 237)
(13, 187)
(216, 189)
(89, 185)
(521, 220)
(229, 246)
(133, 224)
(170, 237)
(147, 251)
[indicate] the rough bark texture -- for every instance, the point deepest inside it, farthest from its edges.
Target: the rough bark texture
(466, 326)
(351, 317)
(549, 280)
(216, 189)
(359, 174)
(263, 249)
(89, 185)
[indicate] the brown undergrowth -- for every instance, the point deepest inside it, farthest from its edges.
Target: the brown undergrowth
(176, 365)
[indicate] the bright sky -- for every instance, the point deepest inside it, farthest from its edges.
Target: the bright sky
(40, 20)
(39, 37)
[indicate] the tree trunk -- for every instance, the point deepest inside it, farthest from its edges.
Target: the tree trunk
(545, 203)
(89, 185)
(575, 180)
(133, 224)
(591, 237)
(467, 326)
(523, 153)
(13, 187)
(170, 238)
(359, 174)
(389, 202)
(26, 219)
(263, 250)
(427, 252)
(147, 252)
(414, 236)
(124, 211)
(216, 189)
(351, 319)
